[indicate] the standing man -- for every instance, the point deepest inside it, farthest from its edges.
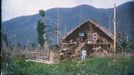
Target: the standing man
(84, 53)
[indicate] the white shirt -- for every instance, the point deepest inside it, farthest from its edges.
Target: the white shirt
(84, 52)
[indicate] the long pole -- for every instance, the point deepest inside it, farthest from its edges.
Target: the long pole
(114, 27)
(57, 25)
(80, 15)
(91, 5)
(108, 20)
(65, 29)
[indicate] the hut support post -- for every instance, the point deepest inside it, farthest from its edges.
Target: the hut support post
(114, 27)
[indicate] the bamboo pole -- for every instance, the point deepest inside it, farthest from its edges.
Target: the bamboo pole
(57, 25)
(114, 27)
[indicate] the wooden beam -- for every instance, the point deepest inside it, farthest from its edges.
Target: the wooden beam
(114, 27)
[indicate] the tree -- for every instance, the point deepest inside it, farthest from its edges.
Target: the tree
(41, 29)
(123, 44)
(42, 13)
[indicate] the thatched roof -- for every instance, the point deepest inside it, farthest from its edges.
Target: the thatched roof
(103, 29)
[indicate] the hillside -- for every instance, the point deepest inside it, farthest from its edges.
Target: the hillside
(23, 28)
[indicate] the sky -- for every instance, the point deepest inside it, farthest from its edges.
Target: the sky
(15, 8)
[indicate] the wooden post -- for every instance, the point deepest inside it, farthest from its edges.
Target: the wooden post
(114, 27)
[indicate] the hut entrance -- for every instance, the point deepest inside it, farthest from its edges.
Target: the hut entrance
(89, 49)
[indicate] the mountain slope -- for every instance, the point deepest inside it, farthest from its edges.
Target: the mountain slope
(23, 28)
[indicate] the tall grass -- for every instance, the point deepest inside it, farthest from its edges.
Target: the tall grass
(92, 66)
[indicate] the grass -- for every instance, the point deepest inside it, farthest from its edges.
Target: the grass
(92, 66)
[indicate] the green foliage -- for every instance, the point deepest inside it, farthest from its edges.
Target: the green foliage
(42, 13)
(44, 29)
(92, 66)
(14, 66)
(123, 44)
(41, 30)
